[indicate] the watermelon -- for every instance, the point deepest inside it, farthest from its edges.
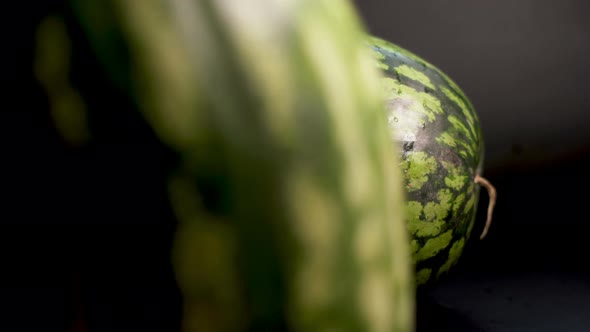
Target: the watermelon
(288, 199)
(441, 149)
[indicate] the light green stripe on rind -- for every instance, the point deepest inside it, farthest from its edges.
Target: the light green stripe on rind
(422, 102)
(466, 111)
(447, 139)
(414, 246)
(419, 227)
(438, 211)
(415, 75)
(423, 276)
(458, 202)
(460, 127)
(418, 166)
(470, 203)
(472, 199)
(471, 144)
(454, 254)
(433, 246)
(456, 178)
(380, 64)
(466, 147)
(471, 217)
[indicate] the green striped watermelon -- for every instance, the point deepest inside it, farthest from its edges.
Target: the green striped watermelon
(441, 147)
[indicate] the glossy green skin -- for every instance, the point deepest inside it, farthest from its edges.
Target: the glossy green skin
(441, 149)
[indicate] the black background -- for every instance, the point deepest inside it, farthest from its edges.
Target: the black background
(524, 66)
(84, 231)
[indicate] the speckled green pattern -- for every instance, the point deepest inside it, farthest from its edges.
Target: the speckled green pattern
(441, 148)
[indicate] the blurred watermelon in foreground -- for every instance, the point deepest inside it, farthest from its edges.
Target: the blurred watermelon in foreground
(288, 198)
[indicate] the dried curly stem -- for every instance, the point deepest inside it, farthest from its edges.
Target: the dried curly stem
(491, 202)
